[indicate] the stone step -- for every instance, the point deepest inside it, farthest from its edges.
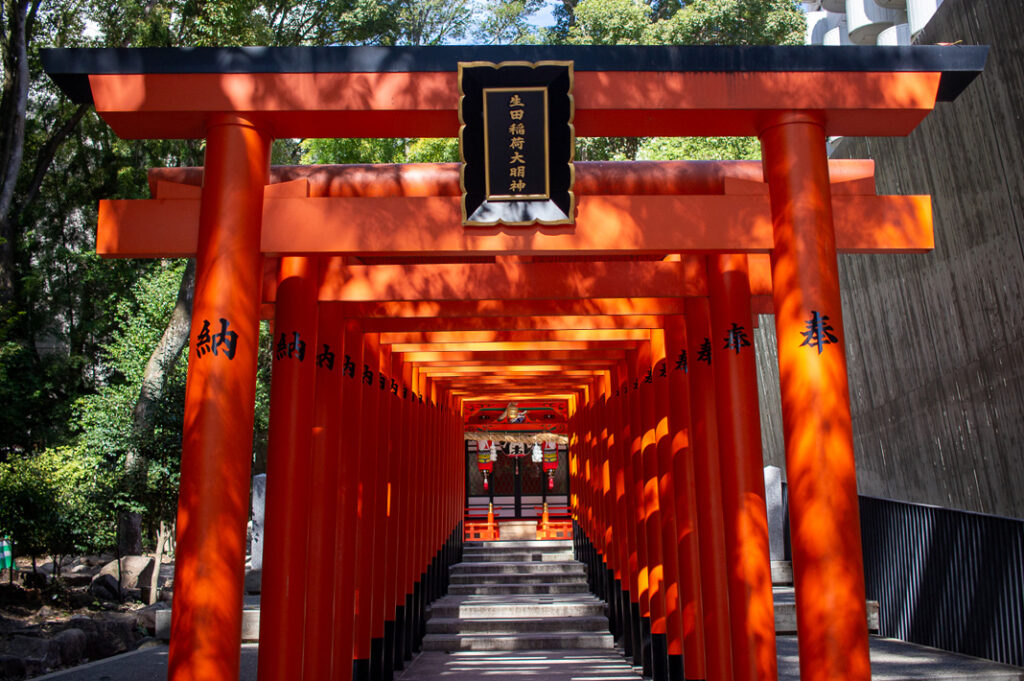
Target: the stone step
(539, 543)
(511, 625)
(518, 578)
(517, 606)
(250, 625)
(785, 611)
(538, 568)
(500, 589)
(519, 556)
(782, 572)
(536, 641)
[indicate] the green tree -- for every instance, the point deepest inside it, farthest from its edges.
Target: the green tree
(731, 22)
(610, 22)
(53, 503)
(670, 22)
(507, 22)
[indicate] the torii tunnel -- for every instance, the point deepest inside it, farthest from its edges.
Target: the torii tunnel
(395, 318)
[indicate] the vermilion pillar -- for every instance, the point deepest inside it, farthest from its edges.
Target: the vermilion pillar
(213, 501)
(742, 465)
(681, 487)
(325, 496)
(667, 496)
(619, 476)
(824, 521)
(289, 449)
(383, 521)
(369, 524)
(627, 397)
(708, 479)
(345, 528)
(638, 509)
(652, 507)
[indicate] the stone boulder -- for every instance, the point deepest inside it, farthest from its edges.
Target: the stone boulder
(136, 571)
(72, 643)
(39, 654)
(108, 635)
(104, 587)
(12, 667)
(34, 580)
(146, 617)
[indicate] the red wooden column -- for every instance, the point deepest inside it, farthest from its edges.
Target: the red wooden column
(585, 424)
(382, 523)
(417, 566)
(824, 517)
(609, 537)
(325, 497)
(668, 498)
(653, 516)
(638, 365)
(392, 491)
(597, 478)
(621, 519)
(289, 467)
(368, 521)
(682, 487)
(403, 552)
(213, 502)
(628, 394)
(582, 419)
(742, 465)
(708, 479)
(348, 476)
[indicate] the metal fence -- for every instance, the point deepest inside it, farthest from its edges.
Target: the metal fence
(944, 578)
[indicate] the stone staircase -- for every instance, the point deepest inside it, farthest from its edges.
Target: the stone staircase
(518, 595)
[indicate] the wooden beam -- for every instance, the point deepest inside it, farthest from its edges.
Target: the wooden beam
(508, 279)
(431, 227)
(582, 346)
(379, 324)
(444, 337)
(516, 357)
(506, 308)
(424, 104)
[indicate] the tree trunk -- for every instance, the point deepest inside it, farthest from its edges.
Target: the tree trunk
(162, 537)
(13, 142)
(161, 363)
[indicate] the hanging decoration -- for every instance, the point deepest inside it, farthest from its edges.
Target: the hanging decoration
(516, 450)
(486, 455)
(484, 458)
(523, 437)
(550, 458)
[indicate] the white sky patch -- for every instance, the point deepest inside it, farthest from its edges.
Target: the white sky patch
(92, 30)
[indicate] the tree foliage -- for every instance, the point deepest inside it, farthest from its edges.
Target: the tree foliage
(671, 22)
(55, 503)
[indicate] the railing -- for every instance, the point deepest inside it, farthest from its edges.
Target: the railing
(555, 522)
(476, 528)
(944, 578)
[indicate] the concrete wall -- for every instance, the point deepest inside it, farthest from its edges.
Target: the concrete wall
(936, 342)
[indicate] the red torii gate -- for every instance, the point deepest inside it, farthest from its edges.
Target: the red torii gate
(238, 100)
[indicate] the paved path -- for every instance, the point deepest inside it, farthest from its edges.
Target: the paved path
(891, 661)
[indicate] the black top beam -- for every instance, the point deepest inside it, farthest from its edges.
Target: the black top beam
(70, 68)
